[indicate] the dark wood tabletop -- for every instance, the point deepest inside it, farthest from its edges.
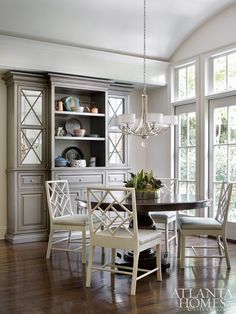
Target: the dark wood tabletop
(168, 202)
(172, 202)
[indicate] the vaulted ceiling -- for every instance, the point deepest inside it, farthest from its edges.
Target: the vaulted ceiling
(109, 25)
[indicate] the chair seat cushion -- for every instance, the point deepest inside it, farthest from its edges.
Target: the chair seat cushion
(74, 220)
(145, 235)
(162, 216)
(199, 223)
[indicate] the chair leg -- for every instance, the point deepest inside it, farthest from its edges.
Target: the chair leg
(226, 252)
(179, 244)
(182, 250)
(69, 240)
(176, 232)
(48, 255)
(166, 239)
(90, 264)
(219, 247)
(113, 258)
(158, 262)
(84, 246)
(134, 273)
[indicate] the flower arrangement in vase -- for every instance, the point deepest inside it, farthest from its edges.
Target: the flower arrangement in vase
(145, 184)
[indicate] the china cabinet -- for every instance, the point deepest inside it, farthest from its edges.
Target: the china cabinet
(59, 127)
(27, 165)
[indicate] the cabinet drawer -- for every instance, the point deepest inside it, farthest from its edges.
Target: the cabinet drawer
(31, 181)
(83, 180)
(116, 178)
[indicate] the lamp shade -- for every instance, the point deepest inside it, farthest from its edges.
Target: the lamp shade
(168, 120)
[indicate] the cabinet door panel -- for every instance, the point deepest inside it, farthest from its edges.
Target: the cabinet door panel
(32, 127)
(32, 211)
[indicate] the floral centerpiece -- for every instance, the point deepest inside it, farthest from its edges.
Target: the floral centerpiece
(145, 184)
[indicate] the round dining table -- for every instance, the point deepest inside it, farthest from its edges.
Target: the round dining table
(165, 202)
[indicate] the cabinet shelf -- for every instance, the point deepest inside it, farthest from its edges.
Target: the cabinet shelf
(82, 114)
(86, 138)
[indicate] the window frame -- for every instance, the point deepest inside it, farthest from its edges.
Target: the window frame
(175, 82)
(209, 88)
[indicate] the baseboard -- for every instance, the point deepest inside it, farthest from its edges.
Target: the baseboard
(3, 231)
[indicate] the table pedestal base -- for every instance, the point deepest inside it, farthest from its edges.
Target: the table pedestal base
(147, 260)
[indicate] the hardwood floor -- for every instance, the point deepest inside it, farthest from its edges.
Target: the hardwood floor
(31, 284)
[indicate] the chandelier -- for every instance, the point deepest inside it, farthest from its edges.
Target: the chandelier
(148, 123)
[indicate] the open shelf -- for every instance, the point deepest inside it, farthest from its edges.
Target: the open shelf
(83, 114)
(81, 138)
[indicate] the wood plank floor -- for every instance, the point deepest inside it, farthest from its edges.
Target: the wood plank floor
(31, 284)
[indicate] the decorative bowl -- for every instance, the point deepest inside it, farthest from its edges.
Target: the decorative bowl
(80, 109)
(79, 132)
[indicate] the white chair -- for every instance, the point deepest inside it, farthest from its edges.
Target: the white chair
(62, 217)
(207, 226)
(116, 234)
(167, 217)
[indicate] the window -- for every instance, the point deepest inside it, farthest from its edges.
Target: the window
(223, 149)
(224, 72)
(116, 141)
(185, 82)
(185, 162)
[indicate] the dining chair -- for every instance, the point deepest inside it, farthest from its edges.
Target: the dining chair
(114, 232)
(167, 218)
(62, 217)
(207, 226)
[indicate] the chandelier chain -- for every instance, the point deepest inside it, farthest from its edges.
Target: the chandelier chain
(147, 124)
(144, 47)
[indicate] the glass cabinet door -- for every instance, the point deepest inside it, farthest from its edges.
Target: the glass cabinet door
(116, 140)
(32, 127)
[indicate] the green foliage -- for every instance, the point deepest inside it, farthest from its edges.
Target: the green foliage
(144, 181)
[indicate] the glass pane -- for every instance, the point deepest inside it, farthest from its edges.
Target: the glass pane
(232, 163)
(191, 81)
(183, 125)
(191, 164)
(191, 188)
(116, 148)
(182, 83)
(183, 163)
(31, 146)
(31, 107)
(115, 108)
(192, 128)
(232, 124)
(182, 187)
(220, 126)
(220, 163)
(232, 70)
(232, 211)
(219, 74)
(216, 195)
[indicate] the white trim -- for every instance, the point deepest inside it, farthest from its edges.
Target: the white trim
(3, 231)
(32, 55)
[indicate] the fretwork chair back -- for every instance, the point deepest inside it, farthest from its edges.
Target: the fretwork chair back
(168, 217)
(62, 217)
(113, 232)
(208, 226)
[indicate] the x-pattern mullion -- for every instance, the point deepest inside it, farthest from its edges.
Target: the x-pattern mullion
(114, 111)
(31, 108)
(115, 148)
(31, 145)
